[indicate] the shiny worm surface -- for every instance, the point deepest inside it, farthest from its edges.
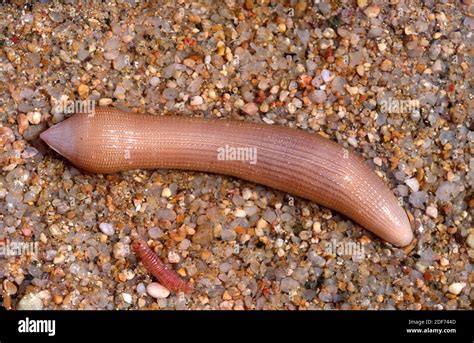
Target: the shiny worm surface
(291, 160)
(167, 277)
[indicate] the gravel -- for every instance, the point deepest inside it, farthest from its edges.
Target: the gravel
(388, 81)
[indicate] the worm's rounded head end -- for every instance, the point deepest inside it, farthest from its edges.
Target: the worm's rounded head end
(138, 244)
(60, 138)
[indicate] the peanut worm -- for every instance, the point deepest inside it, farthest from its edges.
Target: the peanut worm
(291, 160)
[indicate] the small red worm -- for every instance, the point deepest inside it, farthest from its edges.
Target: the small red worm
(167, 277)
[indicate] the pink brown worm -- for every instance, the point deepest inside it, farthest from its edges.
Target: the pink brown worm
(291, 160)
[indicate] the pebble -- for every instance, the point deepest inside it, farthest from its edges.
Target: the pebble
(32, 47)
(228, 235)
(63, 55)
(352, 141)
(22, 123)
(317, 260)
(170, 93)
(432, 211)
(166, 192)
(250, 108)
(166, 213)
(196, 100)
(107, 229)
(289, 284)
(325, 296)
(105, 101)
(402, 190)
(353, 90)
(372, 11)
(173, 257)
(387, 65)
(470, 240)
(6, 136)
(129, 274)
(240, 213)
(155, 81)
(262, 224)
(127, 298)
(141, 289)
(305, 235)
(59, 258)
(263, 84)
(317, 227)
(246, 193)
(155, 232)
(317, 96)
(444, 262)
(338, 83)
(120, 250)
(120, 62)
(438, 66)
(452, 230)
(83, 91)
(203, 236)
(413, 184)
(282, 28)
(456, 288)
(30, 302)
(9, 287)
(444, 191)
(34, 117)
(326, 75)
(418, 199)
(157, 291)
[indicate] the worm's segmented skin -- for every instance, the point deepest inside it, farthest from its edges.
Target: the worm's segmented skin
(167, 277)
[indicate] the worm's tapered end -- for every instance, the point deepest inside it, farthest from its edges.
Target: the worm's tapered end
(60, 138)
(405, 236)
(399, 230)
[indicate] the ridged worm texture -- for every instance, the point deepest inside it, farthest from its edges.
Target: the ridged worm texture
(167, 277)
(291, 160)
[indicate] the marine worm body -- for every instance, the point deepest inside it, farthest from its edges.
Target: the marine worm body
(291, 160)
(167, 277)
